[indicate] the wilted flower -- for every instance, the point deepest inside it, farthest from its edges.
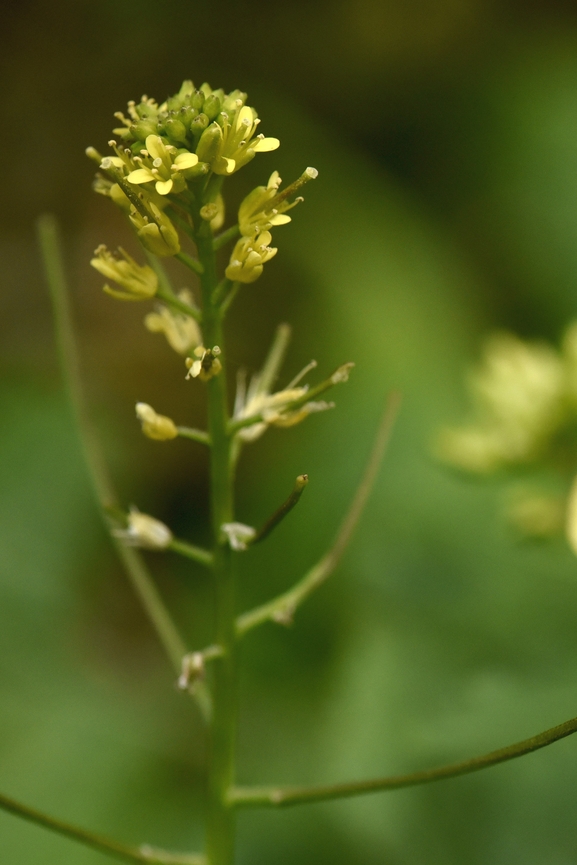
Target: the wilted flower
(239, 535)
(274, 408)
(139, 282)
(181, 331)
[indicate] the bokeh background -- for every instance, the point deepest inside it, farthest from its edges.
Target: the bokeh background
(445, 134)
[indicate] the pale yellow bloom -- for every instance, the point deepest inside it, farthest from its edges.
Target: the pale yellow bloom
(162, 165)
(265, 207)
(230, 142)
(139, 282)
(249, 257)
(520, 391)
(155, 426)
(181, 331)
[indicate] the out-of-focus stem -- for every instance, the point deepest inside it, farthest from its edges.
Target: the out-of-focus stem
(104, 493)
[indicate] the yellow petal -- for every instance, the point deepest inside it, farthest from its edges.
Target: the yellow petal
(279, 219)
(163, 187)
(243, 115)
(263, 145)
(114, 160)
(141, 175)
(185, 160)
(155, 146)
(120, 295)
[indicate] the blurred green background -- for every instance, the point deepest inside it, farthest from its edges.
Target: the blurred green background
(445, 134)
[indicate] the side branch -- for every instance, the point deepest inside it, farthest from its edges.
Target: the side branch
(104, 493)
(271, 796)
(282, 608)
(150, 855)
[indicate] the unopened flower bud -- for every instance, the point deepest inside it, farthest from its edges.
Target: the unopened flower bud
(212, 106)
(197, 100)
(144, 531)
(175, 129)
(155, 426)
(93, 154)
(210, 142)
(143, 128)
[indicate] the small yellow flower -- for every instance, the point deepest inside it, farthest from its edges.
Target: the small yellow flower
(162, 165)
(256, 213)
(155, 426)
(181, 331)
(249, 256)
(230, 142)
(139, 282)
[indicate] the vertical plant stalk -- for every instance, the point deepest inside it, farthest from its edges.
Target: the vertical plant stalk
(220, 828)
(104, 493)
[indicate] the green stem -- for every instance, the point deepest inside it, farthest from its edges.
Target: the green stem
(282, 608)
(220, 831)
(197, 554)
(196, 435)
(150, 855)
(190, 262)
(178, 305)
(276, 796)
(222, 239)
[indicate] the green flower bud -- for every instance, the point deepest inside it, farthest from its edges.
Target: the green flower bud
(175, 129)
(198, 125)
(197, 100)
(187, 114)
(144, 127)
(201, 169)
(210, 143)
(212, 106)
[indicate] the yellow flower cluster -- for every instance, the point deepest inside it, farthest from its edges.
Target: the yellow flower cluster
(262, 209)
